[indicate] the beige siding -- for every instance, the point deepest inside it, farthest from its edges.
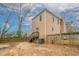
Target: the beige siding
(52, 24)
(40, 24)
(46, 24)
(35, 23)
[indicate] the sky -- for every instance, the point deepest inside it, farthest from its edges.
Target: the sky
(11, 12)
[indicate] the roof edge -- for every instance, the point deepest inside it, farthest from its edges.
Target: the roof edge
(48, 11)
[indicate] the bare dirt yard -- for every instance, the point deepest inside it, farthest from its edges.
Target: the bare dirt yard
(32, 49)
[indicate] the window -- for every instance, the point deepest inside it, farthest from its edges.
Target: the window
(52, 29)
(37, 29)
(40, 18)
(53, 19)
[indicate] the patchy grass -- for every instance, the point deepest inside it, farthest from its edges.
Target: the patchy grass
(14, 39)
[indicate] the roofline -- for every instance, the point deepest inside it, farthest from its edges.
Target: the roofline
(38, 14)
(48, 11)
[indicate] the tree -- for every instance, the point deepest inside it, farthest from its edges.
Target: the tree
(70, 27)
(19, 26)
(4, 29)
(24, 11)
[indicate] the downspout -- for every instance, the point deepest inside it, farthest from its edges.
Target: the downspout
(45, 28)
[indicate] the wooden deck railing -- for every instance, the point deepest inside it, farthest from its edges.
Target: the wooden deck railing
(33, 36)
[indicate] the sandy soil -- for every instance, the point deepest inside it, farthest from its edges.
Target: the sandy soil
(32, 49)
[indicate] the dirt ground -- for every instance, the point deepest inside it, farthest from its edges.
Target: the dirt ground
(32, 49)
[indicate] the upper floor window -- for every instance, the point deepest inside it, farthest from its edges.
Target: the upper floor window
(40, 18)
(53, 19)
(52, 29)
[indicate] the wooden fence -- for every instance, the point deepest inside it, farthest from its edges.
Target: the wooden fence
(64, 38)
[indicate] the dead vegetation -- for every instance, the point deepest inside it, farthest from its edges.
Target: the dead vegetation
(31, 49)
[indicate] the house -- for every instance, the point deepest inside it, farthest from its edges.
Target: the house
(46, 23)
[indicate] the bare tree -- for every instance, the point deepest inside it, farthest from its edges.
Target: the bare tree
(70, 27)
(24, 9)
(4, 29)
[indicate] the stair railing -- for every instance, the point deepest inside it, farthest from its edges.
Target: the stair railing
(33, 36)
